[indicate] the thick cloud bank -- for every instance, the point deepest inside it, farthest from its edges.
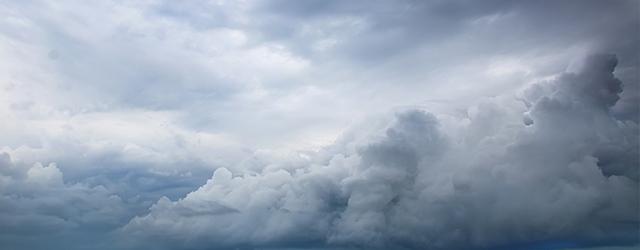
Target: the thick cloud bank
(554, 166)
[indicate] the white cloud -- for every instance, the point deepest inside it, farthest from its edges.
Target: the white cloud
(422, 184)
(41, 175)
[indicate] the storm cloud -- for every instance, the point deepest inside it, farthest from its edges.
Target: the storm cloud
(567, 174)
(319, 124)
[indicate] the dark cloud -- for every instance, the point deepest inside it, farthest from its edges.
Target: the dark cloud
(38, 207)
(382, 31)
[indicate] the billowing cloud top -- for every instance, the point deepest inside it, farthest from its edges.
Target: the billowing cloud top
(570, 174)
(319, 124)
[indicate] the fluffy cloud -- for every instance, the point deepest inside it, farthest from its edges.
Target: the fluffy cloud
(567, 174)
(38, 206)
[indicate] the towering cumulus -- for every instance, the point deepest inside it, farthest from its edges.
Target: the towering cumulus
(567, 175)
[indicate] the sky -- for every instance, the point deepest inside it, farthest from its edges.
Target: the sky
(272, 124)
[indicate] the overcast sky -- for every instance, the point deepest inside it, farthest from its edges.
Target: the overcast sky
(203, 124)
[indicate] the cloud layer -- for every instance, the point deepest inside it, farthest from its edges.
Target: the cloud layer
(326, 124)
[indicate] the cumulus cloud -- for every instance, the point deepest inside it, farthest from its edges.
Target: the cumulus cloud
(38, 206)
(567, 174)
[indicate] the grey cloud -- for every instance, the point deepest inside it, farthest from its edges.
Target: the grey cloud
(37, 207)
(489, 27)
(101, 190)
(420, 184)
(161, 55)
(119, 94)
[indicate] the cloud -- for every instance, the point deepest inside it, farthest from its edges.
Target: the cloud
(300, 69)
(38, 206)
(568, 175)
(140, 100)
